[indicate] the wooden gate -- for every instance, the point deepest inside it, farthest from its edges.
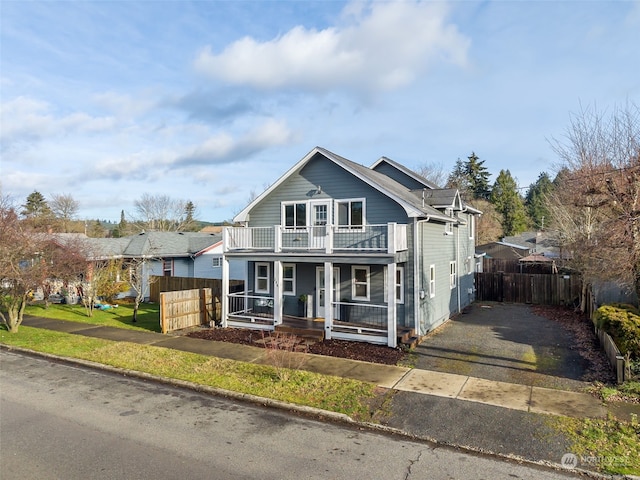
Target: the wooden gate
(185, 308)
(539, 289)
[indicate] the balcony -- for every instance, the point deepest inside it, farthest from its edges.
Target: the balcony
(390, 238)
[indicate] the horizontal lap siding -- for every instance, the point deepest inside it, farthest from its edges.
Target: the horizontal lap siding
(438, 249)
(336, 183)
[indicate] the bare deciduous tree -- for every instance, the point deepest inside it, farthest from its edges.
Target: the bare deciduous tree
(596, 202)
(434, 172)
(163, 213)
(65, 208)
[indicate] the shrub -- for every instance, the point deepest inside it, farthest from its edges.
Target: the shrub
(622, 322)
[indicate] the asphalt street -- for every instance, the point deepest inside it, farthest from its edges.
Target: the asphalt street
(65, 422)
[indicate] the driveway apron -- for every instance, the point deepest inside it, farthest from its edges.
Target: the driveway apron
(506, 343)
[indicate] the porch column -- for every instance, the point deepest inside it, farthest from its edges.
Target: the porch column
(392, 328)
(277, 292)
(328, 299)
(224, 311)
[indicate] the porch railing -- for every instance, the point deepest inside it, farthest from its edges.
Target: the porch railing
(360, 321)
(249, 308)
(390, 238)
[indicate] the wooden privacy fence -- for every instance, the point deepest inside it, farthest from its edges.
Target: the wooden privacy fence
(539, 289)
(174, 284)
(184, 309)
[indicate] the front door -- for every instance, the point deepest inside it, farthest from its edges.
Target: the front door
(320, 291)
(320, 211)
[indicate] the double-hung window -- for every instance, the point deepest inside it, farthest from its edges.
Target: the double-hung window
(453, 275)
(350, 213)
(289, 279)
(167, 267)
(294, 215)
(432, 281)
(448, 227)
(360, 283)
(263, 278)
(399, 284)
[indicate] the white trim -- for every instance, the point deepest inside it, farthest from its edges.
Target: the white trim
(367, 284)
(283, 215)
(350, 226)
(256, 277)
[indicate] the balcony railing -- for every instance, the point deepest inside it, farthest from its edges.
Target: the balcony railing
(389, 238)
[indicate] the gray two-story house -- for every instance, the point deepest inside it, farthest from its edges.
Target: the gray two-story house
(365, 252)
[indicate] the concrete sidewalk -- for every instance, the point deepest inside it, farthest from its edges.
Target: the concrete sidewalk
(449, 386)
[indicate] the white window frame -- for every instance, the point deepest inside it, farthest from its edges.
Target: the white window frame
(258, 278)
(453, 275)
(295, 213)
(350, 225)
(432, 280)
(169, 262)
(470, 265)
(448, 226)
(216, 262)
(399, 285)
(472, 227)
(292, 279)
(354, 283)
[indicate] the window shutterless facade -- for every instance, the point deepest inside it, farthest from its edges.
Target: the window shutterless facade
(453, 275)
(294, 215)
(399, 283)
(350, 213)
(432, 281)
(289, 279)
(360, 287)
(263, 277)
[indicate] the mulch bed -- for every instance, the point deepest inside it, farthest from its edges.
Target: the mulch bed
(334, 348)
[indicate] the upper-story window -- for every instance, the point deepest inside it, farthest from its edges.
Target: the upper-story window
(294, 214)
(448, 227)
(167, 267)
(350, 213)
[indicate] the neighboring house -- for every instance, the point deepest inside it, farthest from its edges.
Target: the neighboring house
(367, 252)
(176, 254)
(503, 250)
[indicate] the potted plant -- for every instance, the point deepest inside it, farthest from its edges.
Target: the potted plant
(302, 305)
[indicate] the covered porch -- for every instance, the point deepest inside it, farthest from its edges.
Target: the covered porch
(372, 320)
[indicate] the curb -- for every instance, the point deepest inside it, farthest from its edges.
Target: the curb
(310, 411)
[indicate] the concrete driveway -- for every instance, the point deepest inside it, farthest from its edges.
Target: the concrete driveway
(507, 343)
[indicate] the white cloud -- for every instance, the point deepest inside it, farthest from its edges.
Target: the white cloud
(382, 46)
(224, 148)
(29, 118)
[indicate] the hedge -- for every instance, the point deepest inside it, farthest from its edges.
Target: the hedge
(622, 323)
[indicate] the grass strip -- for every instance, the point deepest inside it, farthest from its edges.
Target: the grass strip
(607, 444)
(335, 394)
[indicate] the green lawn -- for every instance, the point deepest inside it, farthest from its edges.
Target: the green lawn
(335, 394)
(121, 317)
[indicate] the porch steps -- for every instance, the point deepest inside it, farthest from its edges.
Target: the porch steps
(315, 334)
(407, 338)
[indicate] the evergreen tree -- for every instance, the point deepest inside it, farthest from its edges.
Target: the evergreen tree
(459, 179)
(36, 210)
(536, 201)
(471, 178)
(509, 204)
(478, 177)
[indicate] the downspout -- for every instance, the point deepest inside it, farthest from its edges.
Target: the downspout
(458, 266)
(418, 275)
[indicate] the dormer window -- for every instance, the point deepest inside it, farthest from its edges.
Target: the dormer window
(448, 227)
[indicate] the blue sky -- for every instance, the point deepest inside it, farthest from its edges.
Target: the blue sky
(212, 101)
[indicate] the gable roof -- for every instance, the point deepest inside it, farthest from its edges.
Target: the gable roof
(410, 173)
(413, 206)
(169, 244)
